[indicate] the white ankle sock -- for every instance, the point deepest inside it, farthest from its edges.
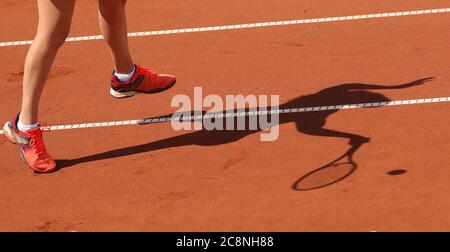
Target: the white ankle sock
(25, 127)
(125, 77)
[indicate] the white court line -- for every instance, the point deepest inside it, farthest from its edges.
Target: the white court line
(249, 25)
(249, 113)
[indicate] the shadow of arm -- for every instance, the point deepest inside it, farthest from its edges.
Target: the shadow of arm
(356, 86)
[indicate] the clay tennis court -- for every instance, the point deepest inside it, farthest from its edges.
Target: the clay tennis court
(153, 178)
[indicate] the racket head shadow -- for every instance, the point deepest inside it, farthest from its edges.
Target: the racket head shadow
(325, 176)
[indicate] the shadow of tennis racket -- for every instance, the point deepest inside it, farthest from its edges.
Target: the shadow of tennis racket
(331, 173)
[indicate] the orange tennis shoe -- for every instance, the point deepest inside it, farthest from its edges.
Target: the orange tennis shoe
(146, 81)
(32, 148)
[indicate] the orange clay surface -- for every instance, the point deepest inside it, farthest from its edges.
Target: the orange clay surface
(153, 178)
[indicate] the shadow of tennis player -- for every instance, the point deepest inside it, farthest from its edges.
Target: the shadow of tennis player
(311, 123)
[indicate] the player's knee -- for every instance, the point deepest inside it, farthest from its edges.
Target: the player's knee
(59, 40)
(53, 40)
(110, 8)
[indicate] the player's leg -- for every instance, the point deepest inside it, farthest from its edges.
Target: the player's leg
(54, 24)
(128, 79)
(113, 24)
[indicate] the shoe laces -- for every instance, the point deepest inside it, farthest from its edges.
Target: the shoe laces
(152, 72)
(37, 144)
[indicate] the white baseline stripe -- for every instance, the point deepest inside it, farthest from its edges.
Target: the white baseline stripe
(249, 113)
(249, 25)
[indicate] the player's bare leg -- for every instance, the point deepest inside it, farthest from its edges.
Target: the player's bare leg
(128, 79)
(113, 24)
(55, 18)
(54, 25)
